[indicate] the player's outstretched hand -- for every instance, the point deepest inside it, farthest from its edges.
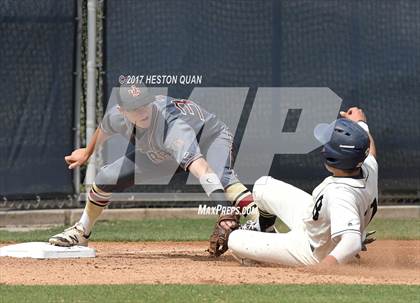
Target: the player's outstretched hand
(77, 158)
(354, 113)
(368, 239)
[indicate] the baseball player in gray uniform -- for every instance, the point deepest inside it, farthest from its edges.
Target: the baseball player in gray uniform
(328, 227)
(166, 133)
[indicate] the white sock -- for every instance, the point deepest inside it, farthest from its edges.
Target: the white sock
(89, 216)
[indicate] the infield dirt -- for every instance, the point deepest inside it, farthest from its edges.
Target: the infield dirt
(386, 262)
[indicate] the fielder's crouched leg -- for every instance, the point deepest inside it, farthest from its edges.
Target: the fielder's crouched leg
(79, 233)
(111, 178)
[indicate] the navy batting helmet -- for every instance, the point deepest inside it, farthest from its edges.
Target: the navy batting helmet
(346, 144)
(133, 97)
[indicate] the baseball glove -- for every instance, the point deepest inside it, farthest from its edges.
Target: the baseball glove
(219, 237)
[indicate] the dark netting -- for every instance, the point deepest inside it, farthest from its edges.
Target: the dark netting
(366, 52)
(36, 117)
(225, 42)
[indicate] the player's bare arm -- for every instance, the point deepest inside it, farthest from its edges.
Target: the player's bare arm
(227, 222)
(328, 261)
(199, 168)
(80, 156)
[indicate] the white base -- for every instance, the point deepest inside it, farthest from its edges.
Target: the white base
(44, 250)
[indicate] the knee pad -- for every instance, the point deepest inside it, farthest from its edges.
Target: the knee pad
(107, 179)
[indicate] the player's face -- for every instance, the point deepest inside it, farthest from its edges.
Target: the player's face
(141, 117)
(341, 173)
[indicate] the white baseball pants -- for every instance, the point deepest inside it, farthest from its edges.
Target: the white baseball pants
(288, 203)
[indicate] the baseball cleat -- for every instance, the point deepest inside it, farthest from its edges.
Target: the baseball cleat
(72, 236)
(255, 226)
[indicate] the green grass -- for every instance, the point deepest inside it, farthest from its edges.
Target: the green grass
(141, 230)
(211, 293)
(190, 230)
(396, 229)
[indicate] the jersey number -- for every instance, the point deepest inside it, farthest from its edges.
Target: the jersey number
(317, 208)
(187, 107)
(374, 207)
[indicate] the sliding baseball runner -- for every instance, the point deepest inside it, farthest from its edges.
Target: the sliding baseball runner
(329, 226)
